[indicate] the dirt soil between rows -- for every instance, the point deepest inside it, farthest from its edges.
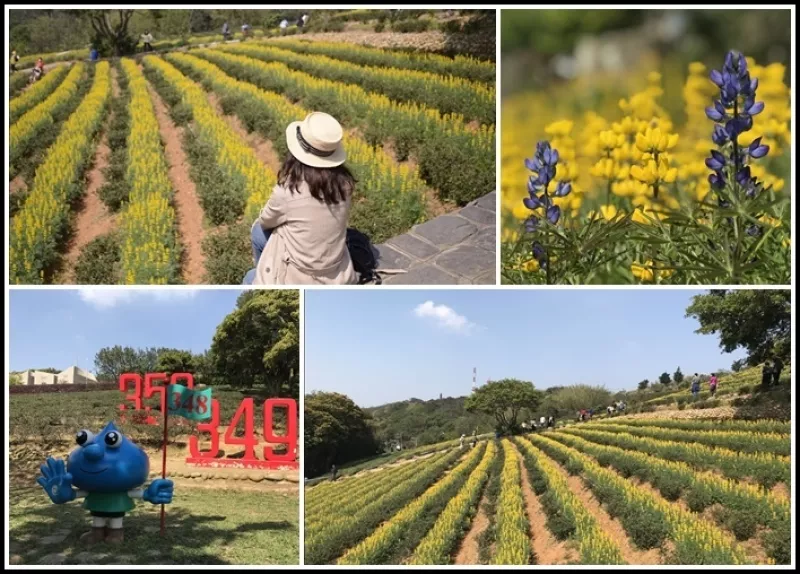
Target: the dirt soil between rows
(189, 212)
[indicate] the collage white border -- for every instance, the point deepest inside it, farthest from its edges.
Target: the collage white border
(499, 8)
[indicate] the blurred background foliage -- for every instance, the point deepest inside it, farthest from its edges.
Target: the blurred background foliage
(545, 46)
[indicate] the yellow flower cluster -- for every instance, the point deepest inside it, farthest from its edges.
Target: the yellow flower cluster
(349, 496)
(726, 490)
(513, 541)
(594, 545)
(44, 217)
(769, 426)
(147, 225)
(688, 532)
(376, 545)
(631, 158)
(448, 91)
(234, 157)
(728, 461)
(36, 93)
(462, 66)
(438, 543)
(743, 441)
(41, 115)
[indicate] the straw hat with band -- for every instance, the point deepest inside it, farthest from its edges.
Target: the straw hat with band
(316, 141)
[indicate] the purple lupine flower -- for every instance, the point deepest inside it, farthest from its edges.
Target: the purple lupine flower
(756, 150)
(754, 230)
(543, 164)
(716, 161)
(733, 113)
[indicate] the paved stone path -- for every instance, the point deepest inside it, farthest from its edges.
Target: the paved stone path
(453, 249)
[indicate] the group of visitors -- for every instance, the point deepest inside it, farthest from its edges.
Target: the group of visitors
(284, 25)
(585, 415)
(713, 384)
(617, 407)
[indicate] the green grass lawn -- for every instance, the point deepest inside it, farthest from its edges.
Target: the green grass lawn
(204, 526)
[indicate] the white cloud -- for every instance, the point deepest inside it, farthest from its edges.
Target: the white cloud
(102, 298)
(444, 317)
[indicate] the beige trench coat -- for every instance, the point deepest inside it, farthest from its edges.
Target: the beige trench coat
(307, 245)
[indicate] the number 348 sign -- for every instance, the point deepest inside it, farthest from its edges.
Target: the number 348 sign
(137, 389)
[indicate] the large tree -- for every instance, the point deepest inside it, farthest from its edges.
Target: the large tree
(258, 343)
(664, 379)
(678, 376)
(336, 431)
(111, 36)
(504, 399)
(760, 321)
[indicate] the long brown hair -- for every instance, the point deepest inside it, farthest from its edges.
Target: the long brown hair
(329, 185)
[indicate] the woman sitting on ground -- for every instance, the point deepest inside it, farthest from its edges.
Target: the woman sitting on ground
(300, 236)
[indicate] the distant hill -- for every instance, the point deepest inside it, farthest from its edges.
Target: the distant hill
(416, 422)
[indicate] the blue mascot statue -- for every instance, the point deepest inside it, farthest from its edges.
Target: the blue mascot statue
(108, 471)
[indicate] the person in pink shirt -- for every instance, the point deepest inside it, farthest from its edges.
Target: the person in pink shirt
(712, 384)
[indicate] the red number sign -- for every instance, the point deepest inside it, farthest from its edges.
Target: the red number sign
(210, 430)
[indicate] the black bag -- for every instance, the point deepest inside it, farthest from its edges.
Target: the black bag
(364, 261)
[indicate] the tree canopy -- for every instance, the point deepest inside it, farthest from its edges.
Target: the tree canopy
(760, 321)
(504, 400)
(258, 343)
(336, 431)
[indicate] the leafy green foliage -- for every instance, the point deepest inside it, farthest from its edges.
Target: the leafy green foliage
(760, 321)
(98, 262)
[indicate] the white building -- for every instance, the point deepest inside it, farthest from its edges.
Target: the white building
(70, 376)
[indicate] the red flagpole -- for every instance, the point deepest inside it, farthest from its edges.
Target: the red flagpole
(164, 460)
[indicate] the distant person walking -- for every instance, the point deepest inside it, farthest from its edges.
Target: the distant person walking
(461, 443)
(147, 39)
(334, 472)
(551, 422)
(245, 31)
(305, 19)
(283, 26)
(300, 22)
(226, 32)
(712, 384)
(766, 374)
(542, 422)
(777, 367)
(13, 61)
(93, 54)
(696, 385)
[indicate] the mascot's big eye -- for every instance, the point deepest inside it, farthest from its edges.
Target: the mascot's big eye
(113, 439)
(83, 437)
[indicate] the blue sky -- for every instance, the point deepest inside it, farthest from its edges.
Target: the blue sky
(380, 346)
(58, 328)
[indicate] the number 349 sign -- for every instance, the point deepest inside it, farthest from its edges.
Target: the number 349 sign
(136, 389)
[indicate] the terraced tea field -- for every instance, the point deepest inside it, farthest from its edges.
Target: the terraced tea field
(151, 170)
(620, 491)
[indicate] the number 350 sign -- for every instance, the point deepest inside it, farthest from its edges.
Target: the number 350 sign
(137, 388)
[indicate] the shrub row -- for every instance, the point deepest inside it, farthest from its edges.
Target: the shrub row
(453, 159)
(40, 227)
(512, 541)
(150, 251)
(567, 517)
(36, 93)
(742, 441)
(460, 66)
(745, 506)
(451, 525)
(41, 116)
(767, 469)
(649, 521)
(402, 530)
(344, 531)
(448, 94)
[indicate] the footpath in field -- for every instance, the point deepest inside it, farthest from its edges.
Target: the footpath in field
(453, 249)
